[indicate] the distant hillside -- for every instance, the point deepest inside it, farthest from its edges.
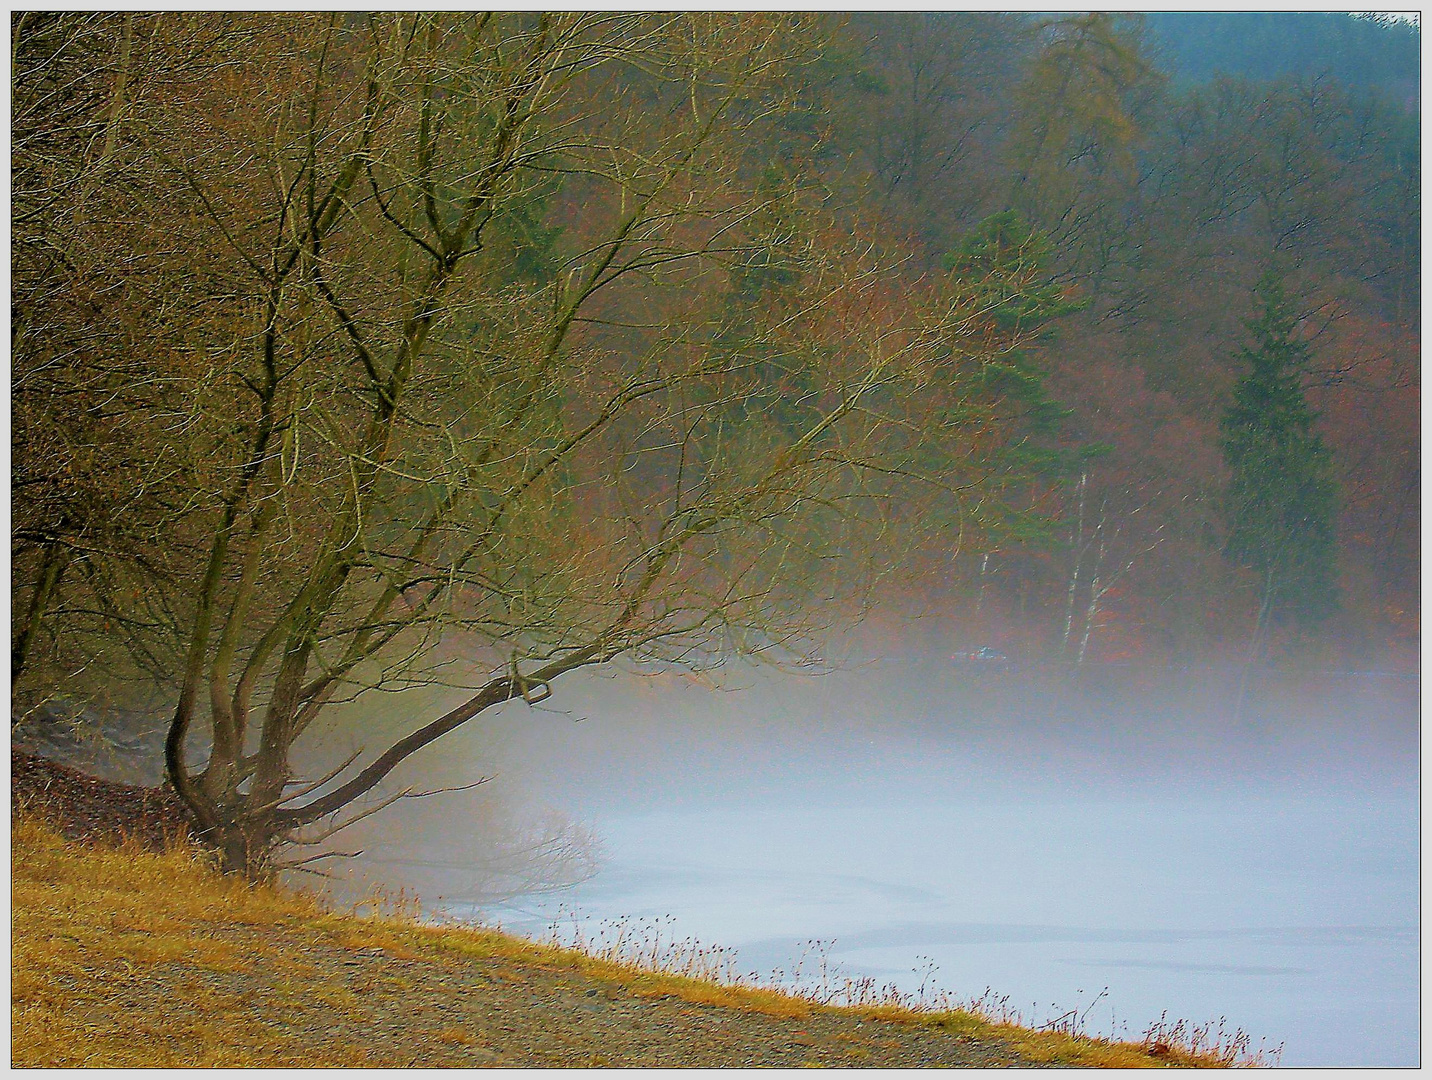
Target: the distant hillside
(1357, 51)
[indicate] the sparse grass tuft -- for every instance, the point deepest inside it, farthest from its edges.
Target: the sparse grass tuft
(712, 974)
(1182, 1043)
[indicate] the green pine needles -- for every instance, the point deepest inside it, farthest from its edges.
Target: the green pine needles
(1281, 498)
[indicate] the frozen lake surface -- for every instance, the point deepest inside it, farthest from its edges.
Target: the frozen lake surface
(1294, 916)
(1043, 844)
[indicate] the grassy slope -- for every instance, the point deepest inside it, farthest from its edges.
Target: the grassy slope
(84, 917)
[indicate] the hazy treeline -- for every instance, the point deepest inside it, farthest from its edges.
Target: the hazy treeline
(1164, 201)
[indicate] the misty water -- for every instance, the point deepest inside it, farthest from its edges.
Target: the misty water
(1006, 829)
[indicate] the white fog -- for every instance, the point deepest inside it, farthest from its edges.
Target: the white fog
(1004, 829)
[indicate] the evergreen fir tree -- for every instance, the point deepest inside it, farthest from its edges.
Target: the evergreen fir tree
(1281, 498)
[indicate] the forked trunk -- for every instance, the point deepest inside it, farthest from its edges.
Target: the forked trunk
(223, 820)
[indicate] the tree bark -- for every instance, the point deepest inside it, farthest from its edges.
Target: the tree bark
(52, 569)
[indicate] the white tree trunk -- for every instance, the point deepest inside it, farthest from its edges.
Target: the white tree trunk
(1074, 576)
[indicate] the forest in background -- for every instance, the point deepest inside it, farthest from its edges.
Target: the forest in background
(1171, 160)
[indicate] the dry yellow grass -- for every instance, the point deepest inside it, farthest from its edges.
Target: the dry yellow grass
(87, 920)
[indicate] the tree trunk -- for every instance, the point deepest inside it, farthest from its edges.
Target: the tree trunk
(245, 848)
(1074, 575)
(1091, 614)
(984, 573)
(1255, 646)
(52, 568)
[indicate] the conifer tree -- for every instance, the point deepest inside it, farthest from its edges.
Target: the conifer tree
(1281, 497)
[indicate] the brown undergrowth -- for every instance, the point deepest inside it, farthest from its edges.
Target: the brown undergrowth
(123, 956)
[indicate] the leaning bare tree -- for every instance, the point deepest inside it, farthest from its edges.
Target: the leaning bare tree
(504, 345)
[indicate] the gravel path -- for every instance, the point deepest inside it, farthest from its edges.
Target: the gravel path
(315, 1001)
